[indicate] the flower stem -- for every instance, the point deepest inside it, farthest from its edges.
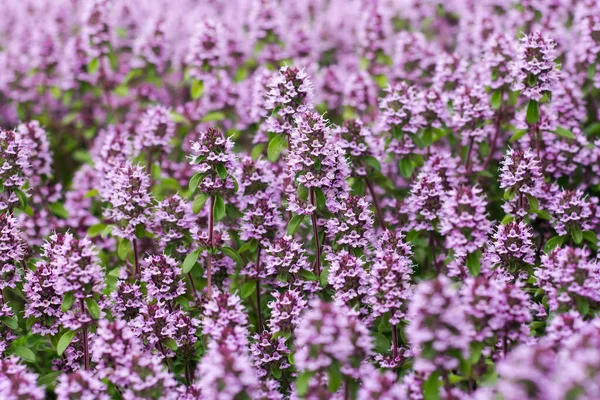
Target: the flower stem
(498, 125)
(135, 257)
(375, 204)
(395, 342)
(84, 340)
(258, 302)
(211, 227)
(468, 158)
(315, 227)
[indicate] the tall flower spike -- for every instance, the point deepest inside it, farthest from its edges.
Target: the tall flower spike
(463, 220)
(173, 222)
(534, 71)
(269, 353)
(289, 95)
(207, 49)
(425, 201)
(15, 159)
(285, 312)
(80, 384)
(327, 334)
(162, 275)
(438, 330)
(130, 200)
(352, 227)
(225, 319)
(43, 301)
(155, 132)
(16, 382)
(36, 140)
(6, 333)
(571, 210)
(521, 173)
(284, 258)
(512, 245)
(12, 251)
(350, 280)
(568, 276)
(212, 157)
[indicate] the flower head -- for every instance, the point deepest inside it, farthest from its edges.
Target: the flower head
(162, 275)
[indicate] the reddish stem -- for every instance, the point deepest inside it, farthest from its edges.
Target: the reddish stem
(395, 342)
(375, 203)
(211, 227)
(258, 302)
(135, 258)
(84, 340)
(315, 227)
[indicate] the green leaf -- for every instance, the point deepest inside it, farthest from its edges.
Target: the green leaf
(257, 150)
(320, 198)
(49, 379)
(197, 89)
(213, 116)
(222, 171)
(517, 135)
(59, 210)
(534, 205)
(64, 342)
(190, 261)
(307, 275)
(93, 66)
(507, 218)
(68, 301)
(564, 132)
(431, 387)
(195, 181)
(324, 278)
(473, 263)
(533, 112)
(475, 354)
(170, 344)
(93, 308)
(95, 230)
(199, 202)
(302, 383)
(576, 234)
(91, 193)
(335, 377)
(247, 289)
(231, 253)
(219, 208)
(372, 162)
(553, 242)
(583, 305)
(178, 118)
(123, 249)
(294, 224)
(22, 197)
(590, 236)
(382, 343)
(25, 353)
(276, 146)
(406, 167)
(496, 99)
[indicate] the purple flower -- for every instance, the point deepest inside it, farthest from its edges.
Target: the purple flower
(570, 209)
(269, 353)
(438, 330)
(534, 71)
(40, 158)
(520, 173)
(80, 385)
(162, 275)
(155, 131)
(472, 111)
(225, 319)
(285, 312)
(12, 251)
(130, 200)
(329, 333)
(16, 383)
(262, 220)
(379, 385)
(127, 301)
(213, 159)
(285, 257)
(207, 49)
(6, 333)
(173, 222)
(349, 278)
(43, 301)
(463, 219)
(15, 162)
(568, 276)
(352, 227)
(425, 201)
(512, 245)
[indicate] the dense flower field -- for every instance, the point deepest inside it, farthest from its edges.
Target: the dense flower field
(299, 199)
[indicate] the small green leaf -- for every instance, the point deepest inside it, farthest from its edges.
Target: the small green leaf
(219, 208)
(199, 202)
(190, 261)
(335, 377)
(475, 354)
(257, 150)
(222, 171)
(533, 112)
(517, 135)
(170, 344)
(93, 66)
(382, 343)
(406, 167)
(178, 118)
(93, 308)
(64, 342)
(95, 230)
(231, 253)
(431, 387)
(22, 197)
(59, 210)
(302, 382)
(307, 275)
(247, 289)
(324, 278)
(25, 353)
(590, 236)
(576, 234)
(276, 146)
(91, 193)
(507, 219)
(195, 181)
(123, 249)
(67, 302)
(553, 242)
(373, 163)
(473, 263)
(583, 305)
(496, 99)
(564, 132)
(213, 116)
(49, 379)
(294, 224)
(197, 89)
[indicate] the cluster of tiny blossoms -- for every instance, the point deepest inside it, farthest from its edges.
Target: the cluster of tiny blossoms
(325, 199)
